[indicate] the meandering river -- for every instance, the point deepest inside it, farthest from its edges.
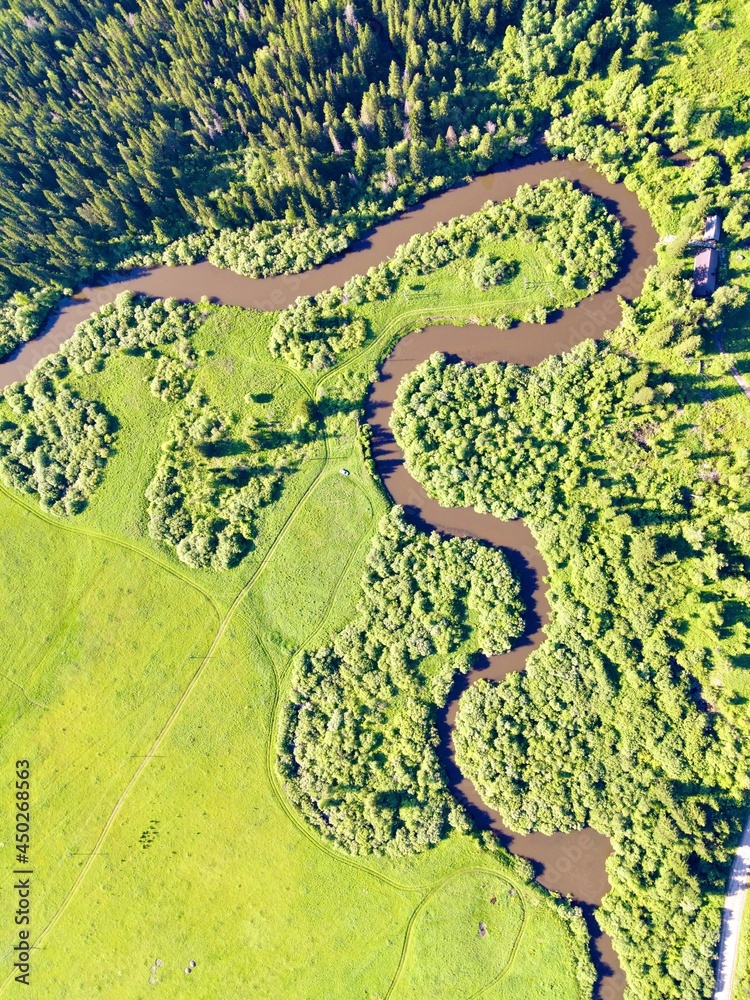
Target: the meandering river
(568, 863)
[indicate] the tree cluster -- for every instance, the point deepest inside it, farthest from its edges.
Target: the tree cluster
(681, 146)
(22, 315)
(267, 248)
(206, 494)
(583, 239)
(278, 247)
(213, 476)
(312, 331)
(612, 723)
(171, 381)
(131, 323)
(357, 750)
(481, 436)
(672, 318)
(57, 445)
(120, 121)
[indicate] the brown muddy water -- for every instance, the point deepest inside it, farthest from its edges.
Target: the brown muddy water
(192, 281)
(574, 863)
(571, 864)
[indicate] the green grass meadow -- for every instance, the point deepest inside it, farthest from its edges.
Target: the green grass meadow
(145, 694)
(742, 982)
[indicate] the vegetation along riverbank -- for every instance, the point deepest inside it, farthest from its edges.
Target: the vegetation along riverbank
(232, 667)
(302, 425)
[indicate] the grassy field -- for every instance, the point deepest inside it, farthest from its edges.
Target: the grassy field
(742, 982)
(146, 696)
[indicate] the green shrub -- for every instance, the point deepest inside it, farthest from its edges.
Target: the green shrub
(57, 446)
(23, 314)
(357, 753)
(171, 380)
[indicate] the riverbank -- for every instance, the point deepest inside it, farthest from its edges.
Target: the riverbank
(191, 282)
(570, 864)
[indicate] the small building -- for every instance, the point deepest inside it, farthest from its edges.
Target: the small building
(712, 229)
(705, 272)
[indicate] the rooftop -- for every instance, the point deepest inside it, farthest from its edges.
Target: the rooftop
(712, 228)
(705, 271)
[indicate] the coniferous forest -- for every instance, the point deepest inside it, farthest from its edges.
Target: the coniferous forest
(157, 119)
(201, 552)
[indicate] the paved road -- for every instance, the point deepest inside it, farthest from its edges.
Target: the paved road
(731, 919)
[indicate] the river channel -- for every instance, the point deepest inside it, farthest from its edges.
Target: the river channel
(568, 863)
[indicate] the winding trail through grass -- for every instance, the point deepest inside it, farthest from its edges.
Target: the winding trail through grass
(23, 691)
(472, 870)
(270, 759)
(77, 529)
(164, 731)
(318, 842)
(407, 321)
(279, 678)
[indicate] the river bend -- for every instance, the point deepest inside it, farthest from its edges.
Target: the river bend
(568, 863)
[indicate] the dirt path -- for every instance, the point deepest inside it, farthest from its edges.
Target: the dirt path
(739, 877)
(734, 908)
(164, 731)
